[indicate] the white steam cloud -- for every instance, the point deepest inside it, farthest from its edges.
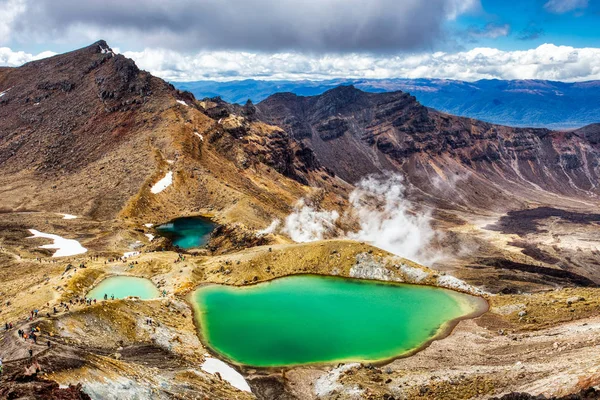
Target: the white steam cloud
(385, 218)
(270, 229)
(306, 224)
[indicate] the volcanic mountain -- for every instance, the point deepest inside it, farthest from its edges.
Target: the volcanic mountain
(450, 160)
(88, 133)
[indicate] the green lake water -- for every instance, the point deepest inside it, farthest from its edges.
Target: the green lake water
(187, 232)
(313, 319)
(124, 286)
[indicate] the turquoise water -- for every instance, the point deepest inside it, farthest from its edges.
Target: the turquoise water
(124, 286)
(314, 319)
(188, 232)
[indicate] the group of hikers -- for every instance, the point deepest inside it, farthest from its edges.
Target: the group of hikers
(33, 334)
(122, 259)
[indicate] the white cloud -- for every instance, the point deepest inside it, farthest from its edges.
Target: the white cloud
(9, 58)
(547, 61)
(563, 6)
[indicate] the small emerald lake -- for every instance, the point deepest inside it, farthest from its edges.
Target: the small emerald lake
(187, 232)
(315, 319)
(124, 286)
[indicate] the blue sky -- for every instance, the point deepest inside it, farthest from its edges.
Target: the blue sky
(318, 39)
(531, 24)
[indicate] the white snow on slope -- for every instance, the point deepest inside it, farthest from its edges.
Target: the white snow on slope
(149, 236)
(68, 216)
(182, 102)
(163, 183)
(106, 51)
(212, 365)
(148, 225)
(3, 93)
(199, 135)
(65, 247)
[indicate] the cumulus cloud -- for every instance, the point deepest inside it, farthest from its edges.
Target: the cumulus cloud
(564, 6)
(563, 63)
(11, 58)
(265, 25)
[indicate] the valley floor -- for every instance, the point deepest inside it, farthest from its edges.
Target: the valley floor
(535, 338)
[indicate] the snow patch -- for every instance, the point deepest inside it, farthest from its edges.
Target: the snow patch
(148, 225)
(149, 236)
(68, 216)
(163, 183)
(199, 135)
(212, 365)
(65, 247)
(182, 102)
(6, 91)
(106, 50)
(328, 383)
(131, 254)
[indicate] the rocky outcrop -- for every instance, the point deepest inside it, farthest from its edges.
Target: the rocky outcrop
(247, 142)
(235, 237)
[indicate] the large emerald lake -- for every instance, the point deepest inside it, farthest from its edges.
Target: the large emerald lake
(187, 232)
(314, 319)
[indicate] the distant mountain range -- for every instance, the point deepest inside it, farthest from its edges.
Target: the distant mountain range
(531, 103)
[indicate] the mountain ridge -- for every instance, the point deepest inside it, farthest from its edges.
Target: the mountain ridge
(92, 132)
(392, 130)
(522, 103)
